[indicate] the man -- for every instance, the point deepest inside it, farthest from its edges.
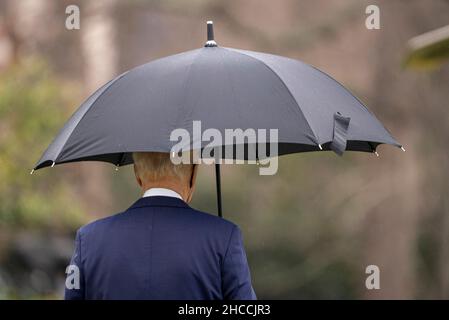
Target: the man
(160, 248)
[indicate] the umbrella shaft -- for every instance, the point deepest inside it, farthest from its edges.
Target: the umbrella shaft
(218, 182)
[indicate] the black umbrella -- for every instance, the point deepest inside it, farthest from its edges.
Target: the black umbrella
(223, 88)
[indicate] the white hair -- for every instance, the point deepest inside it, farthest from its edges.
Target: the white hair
(155, 166)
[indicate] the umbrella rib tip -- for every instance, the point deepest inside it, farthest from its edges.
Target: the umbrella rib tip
(402, 148)
(32, 171)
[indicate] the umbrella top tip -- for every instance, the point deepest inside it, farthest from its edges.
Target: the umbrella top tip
(210, 35)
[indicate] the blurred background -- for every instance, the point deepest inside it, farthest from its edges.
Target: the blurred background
(311, 230)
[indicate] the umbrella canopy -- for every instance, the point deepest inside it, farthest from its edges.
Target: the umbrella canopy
(223, 88)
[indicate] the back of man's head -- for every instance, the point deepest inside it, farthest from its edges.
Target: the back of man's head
(153, 167)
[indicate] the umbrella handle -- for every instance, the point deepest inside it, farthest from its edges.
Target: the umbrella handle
(218, 184)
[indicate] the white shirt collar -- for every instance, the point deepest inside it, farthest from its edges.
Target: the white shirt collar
(164, 192)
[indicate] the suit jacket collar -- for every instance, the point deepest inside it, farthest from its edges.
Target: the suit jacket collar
(159, 201)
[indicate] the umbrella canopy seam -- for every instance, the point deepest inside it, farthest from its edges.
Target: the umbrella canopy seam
(59, 148)
(286, 87)
(181, 106)
(355, 97)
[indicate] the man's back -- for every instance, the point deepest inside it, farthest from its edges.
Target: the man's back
(160, 248)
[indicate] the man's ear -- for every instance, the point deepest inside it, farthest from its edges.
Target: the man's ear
(192, 182)
(139, 181)
(194, 173)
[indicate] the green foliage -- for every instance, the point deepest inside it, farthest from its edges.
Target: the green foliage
(32, 109)
(429, 56)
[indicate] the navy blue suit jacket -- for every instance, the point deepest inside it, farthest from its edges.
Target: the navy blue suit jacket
(160, 248)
